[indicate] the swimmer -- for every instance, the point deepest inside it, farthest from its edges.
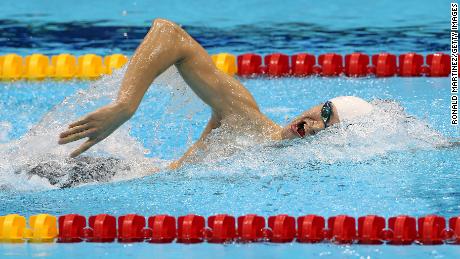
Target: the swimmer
(167, 44)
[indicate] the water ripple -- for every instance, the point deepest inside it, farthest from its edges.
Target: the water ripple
(102, 38)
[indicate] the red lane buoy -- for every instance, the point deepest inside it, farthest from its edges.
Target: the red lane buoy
(282, 228)
(302, 64)
(277, 64)
(130, 228)
(190, 229)
(310, 229)
(343, 229)
(410, 64)
(104, 228)
(438, 65)
(249, 64)
(331, 64)
(370, 229)
(404, 230)
(384, 65)
(222, 227)
(250, 228)
(430, 230)
(163, 228)
(71, 228)
(356, 64)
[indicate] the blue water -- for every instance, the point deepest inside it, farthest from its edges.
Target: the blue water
(386, 164)
(262, 26)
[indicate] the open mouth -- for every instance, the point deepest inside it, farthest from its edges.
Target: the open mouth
(299, 128)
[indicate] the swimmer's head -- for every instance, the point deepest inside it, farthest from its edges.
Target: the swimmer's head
(301, 127)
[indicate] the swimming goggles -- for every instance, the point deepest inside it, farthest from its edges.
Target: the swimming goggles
(326, 112)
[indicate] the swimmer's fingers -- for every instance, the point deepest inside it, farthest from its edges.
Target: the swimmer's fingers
(79, 135)
(80, 122)
(74, 130)
(90, 142)
(85, 146)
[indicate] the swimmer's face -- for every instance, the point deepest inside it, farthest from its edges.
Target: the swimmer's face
(301, 127)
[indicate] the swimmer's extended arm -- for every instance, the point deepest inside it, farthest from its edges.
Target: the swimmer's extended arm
(166, 44)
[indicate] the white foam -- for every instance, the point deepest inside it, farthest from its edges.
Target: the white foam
(5, 129)
(39, 144)
(388, 129)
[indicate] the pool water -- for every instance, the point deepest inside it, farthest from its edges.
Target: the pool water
(391, 162)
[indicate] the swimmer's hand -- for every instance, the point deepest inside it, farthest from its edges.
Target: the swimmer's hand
(95, 126)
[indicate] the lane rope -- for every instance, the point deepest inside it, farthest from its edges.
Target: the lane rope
(223, 228)
(90, 66)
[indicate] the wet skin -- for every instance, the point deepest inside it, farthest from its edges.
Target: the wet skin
(165, 45)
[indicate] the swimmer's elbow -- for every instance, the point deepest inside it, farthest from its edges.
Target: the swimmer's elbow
(165, 25)
(173, 34)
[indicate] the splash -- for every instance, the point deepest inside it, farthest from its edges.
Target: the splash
(5, 129)
(387, 130)
(37, 162)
